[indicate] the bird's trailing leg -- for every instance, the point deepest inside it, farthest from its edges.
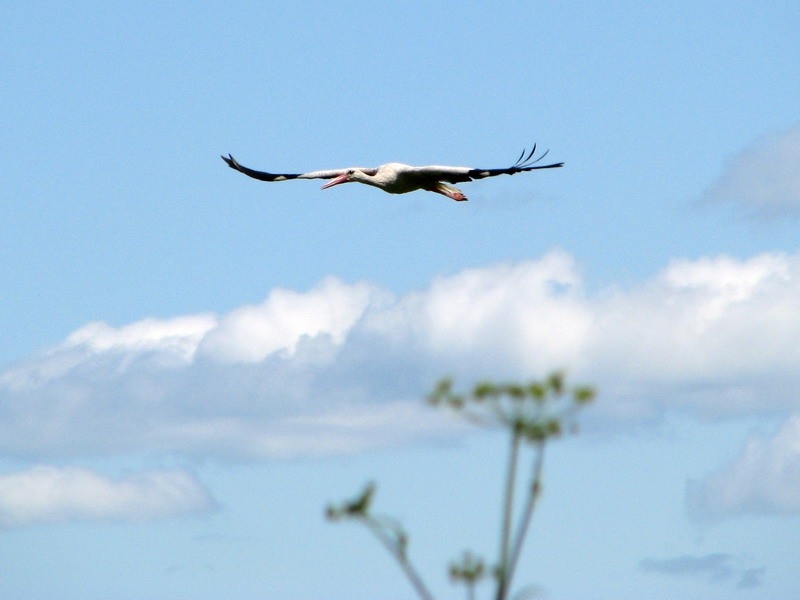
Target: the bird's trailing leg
(447, 190)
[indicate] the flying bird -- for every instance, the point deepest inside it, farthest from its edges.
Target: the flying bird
(397, 178)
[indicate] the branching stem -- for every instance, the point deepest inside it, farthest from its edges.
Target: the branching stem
(508, 510)
(533, 414)
(530, 505)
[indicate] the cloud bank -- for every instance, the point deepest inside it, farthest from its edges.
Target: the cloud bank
(46, 494)
(343, 367)
(764, 177)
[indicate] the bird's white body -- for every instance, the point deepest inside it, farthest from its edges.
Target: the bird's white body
(399, 178)
(394, 178)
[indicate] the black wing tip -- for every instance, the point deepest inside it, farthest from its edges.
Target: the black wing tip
(533, 167)
(232, 162)
(527, 162)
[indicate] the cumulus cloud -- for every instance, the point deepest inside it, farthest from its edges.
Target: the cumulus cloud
(764, 479)
(714, 336)
(715, 568)
(764, 177)
(342, 367)
(251, 333)
(47, 494)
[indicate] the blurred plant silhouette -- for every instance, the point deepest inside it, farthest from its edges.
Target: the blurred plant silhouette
(532, 414)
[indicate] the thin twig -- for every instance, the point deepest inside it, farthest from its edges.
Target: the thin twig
(525, 517)
(399, 555)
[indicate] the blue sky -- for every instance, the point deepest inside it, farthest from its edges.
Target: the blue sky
(194, 363)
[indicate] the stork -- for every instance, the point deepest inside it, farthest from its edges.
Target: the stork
(397, 178)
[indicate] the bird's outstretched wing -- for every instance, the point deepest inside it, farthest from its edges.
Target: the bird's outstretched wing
(264, 176)
(525, 162)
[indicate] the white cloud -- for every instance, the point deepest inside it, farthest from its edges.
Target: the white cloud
(178, 336)
(47, 494)
(251, 333)
(167, 342)
(764, 479)
(343, 367)
(524, 311)
(764, 177)
(717, 334)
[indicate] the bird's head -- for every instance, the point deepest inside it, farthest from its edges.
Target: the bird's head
(345, 177)
(359, 175)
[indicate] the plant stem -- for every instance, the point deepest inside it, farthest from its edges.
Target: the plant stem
(530, 505)
(399, 555)
(508, 509)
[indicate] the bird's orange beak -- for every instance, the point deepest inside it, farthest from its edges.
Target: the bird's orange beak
(343, 178)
